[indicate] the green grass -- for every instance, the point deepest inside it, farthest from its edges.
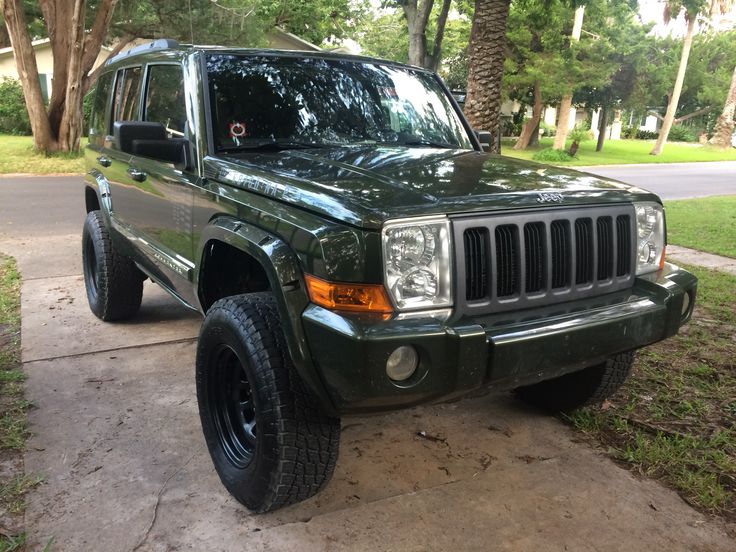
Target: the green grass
(707, 224)
(627, 151)
(18, 156)
(675, 418)
(13, 407)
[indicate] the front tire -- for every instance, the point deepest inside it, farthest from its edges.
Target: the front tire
(269, 440)
(590, 386)
(113, 282)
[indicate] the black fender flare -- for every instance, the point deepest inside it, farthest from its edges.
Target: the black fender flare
(286, 280)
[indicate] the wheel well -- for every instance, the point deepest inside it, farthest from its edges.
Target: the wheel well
(227, 271)
(90, 199)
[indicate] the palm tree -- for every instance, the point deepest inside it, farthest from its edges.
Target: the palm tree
(692, 9)
(486, 54)
(722, 134)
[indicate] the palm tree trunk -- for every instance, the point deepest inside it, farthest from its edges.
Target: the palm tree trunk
(722, 135)
(669, 117)
(486, 54)
(532, 125)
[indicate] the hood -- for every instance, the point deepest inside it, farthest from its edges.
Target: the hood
(366, 186)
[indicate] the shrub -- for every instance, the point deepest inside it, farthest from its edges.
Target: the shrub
(580, 134)
(547, 130)
(679, 133)
(13, 114)
(552, 156)
(629, 132)
(646, 135)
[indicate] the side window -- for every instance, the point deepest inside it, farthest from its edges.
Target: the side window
(127, 94)
(165, 98)
(98, 126)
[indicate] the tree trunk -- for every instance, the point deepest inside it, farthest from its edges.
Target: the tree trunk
(722, 135)
(486, 54)
(75, 51)
(417, 17)
(25, 60)
(669, 116)
(532, 125)
(432, 61)
(602, 128)
(563, 120)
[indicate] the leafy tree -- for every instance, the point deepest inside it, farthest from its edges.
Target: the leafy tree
(725, 125)
(692, 10)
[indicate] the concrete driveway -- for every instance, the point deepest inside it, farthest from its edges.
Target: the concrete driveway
(117, 435)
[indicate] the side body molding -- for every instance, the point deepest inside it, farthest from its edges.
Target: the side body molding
(287, 284)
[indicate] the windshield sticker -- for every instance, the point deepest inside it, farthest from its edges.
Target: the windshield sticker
(237, 129)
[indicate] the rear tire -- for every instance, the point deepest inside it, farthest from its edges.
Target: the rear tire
(114, 284)
(269, 440)
(587, 387)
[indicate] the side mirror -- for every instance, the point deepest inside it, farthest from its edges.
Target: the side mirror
(149, 140)
(485, 138)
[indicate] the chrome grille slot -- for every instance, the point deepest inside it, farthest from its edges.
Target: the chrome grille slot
(477, 264)
(510, 261)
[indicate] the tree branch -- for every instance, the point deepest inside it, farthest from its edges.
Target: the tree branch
(693, 114)
(439, 35)
(93, 40)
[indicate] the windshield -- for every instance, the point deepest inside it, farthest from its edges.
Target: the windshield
(263, 101)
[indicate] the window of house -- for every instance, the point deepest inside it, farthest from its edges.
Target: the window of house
(165, 98)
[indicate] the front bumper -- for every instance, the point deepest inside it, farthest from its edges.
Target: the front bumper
(502, 351)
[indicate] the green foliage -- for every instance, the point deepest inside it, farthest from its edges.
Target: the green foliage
(646, 134)
(550, 155)
(705, 224)
(580, 134)
(680, 133)
(13, 114)
(547, 130)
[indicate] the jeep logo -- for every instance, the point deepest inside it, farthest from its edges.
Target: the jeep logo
(547, 197)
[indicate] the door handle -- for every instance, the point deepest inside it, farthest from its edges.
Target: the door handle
(104, 161)
(136, 174)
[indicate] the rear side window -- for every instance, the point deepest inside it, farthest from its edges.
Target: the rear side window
(98, 123)
(165, 98)
(127, 94)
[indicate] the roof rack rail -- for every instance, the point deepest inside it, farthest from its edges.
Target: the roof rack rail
(153, 46)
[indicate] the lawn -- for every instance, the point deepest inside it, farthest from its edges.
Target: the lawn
(629, 151)
(13, 433)
(675, 418)
(707, 224)
(18, 157)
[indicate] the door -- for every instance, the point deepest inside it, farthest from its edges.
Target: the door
(152, 198)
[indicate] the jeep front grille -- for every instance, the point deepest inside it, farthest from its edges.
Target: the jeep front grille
(520, 260)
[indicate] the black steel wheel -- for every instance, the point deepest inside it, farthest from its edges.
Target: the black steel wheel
(234, 413)
(270, 442)
(114, 284)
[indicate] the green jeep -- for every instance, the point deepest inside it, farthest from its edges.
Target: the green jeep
(353, 249)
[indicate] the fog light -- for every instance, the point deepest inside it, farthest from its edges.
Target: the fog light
(685, 304)
(402, 363)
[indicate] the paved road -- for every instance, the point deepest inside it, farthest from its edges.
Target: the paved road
(676, 180)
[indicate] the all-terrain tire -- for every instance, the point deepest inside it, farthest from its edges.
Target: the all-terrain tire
(270, 442)
(114, 284)
(587, 387)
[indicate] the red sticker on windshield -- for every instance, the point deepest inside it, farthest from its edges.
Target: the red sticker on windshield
(237, 130)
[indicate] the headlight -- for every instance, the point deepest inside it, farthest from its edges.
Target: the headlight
(418, 271)
(650, 238)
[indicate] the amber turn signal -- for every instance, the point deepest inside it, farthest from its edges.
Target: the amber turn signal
(664, 254)
(348, 297)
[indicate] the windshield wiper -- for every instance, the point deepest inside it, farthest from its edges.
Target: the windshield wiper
(277, 145)
(428, 144)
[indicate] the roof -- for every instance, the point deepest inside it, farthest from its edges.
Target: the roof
(8, 50)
